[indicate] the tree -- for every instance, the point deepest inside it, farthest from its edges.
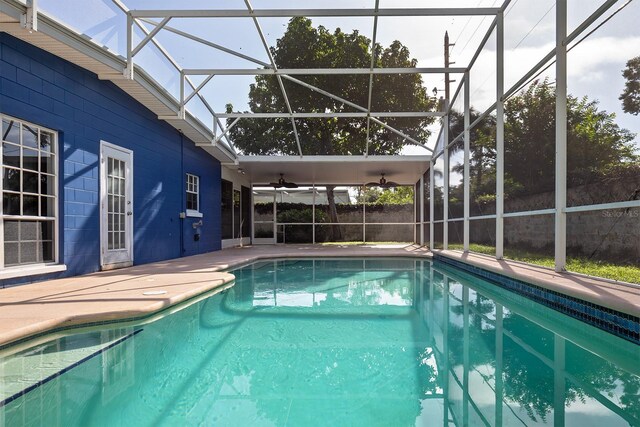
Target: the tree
(396, 196)
(304, 46)
(596, 145)
(630, 97)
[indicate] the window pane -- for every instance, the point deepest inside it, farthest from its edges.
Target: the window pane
(46, 230)
(29, 205)
(11, 253)
(46, 184)
(28, 230)
(29, 182)
(29, 136)
(46, 251)
(29, 252)
(11, 230)
(11, 179)
(11, 204)
(11, 131)
(46, 162)
(47, 206)
(46, 140)
(10, 155)
(192, 201)
(30, 159)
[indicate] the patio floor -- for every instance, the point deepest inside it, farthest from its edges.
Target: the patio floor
(119, 294)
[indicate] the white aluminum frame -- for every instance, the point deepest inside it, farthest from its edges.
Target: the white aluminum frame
(558, 56)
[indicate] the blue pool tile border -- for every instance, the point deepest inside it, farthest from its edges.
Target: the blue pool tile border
(623, 325)
(67, 369)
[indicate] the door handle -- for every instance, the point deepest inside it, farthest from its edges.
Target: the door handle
(129, 213)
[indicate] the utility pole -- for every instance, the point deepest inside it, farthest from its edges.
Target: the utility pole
(446, 65)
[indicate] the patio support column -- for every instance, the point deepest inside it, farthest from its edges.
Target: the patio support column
(431, 210)
(313, 216)
(561, 137)
(467, 178)
(445, 195)
(500, 136)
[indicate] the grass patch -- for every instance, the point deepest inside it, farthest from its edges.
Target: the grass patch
(606, 269)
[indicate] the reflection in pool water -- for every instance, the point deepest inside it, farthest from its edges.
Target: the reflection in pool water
(388, 342)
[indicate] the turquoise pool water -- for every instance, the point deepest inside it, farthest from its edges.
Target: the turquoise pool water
(377, 342)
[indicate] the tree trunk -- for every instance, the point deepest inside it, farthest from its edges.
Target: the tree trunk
(336, 232)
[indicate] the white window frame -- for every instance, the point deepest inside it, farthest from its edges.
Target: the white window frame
(37, 267)
(192, 183)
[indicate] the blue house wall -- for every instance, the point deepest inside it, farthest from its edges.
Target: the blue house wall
(46, 90)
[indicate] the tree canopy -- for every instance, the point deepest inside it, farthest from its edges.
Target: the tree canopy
(597, 146)
(305, 46)
(630, 97)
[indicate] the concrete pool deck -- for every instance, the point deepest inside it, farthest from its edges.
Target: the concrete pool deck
(32, 309)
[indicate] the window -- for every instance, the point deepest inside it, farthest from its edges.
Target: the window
(193, 195)
(29, 183)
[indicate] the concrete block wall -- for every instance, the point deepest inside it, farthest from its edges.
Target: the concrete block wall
(41, 88)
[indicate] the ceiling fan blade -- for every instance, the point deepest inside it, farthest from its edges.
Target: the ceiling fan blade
(372, 184)
(275, 184)
(290, 185)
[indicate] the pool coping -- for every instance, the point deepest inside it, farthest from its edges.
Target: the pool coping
(210, 269)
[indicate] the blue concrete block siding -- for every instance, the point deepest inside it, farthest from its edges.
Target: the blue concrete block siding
(48, 91)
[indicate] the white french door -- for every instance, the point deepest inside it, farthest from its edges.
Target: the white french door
(116, 206)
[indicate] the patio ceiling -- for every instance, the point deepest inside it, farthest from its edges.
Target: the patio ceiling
(338, 170)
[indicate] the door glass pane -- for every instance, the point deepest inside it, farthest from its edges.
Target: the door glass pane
(116, 204)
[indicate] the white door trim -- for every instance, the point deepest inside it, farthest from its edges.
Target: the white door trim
(125, 258)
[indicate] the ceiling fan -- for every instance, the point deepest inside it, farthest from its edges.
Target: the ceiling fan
(382, 183)
(282, 183)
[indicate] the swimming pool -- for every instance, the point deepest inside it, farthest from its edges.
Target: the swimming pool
(371, 342)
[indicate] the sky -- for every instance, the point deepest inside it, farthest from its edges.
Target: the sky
(594, 66)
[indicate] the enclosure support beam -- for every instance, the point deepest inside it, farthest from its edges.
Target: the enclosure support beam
(421, 238)
(275, 69)
(499, 136)
(29, 20)
(373, 63)
(445, 193)
(466, 178)
(335, 12)
(561, 137)
(431, 209)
